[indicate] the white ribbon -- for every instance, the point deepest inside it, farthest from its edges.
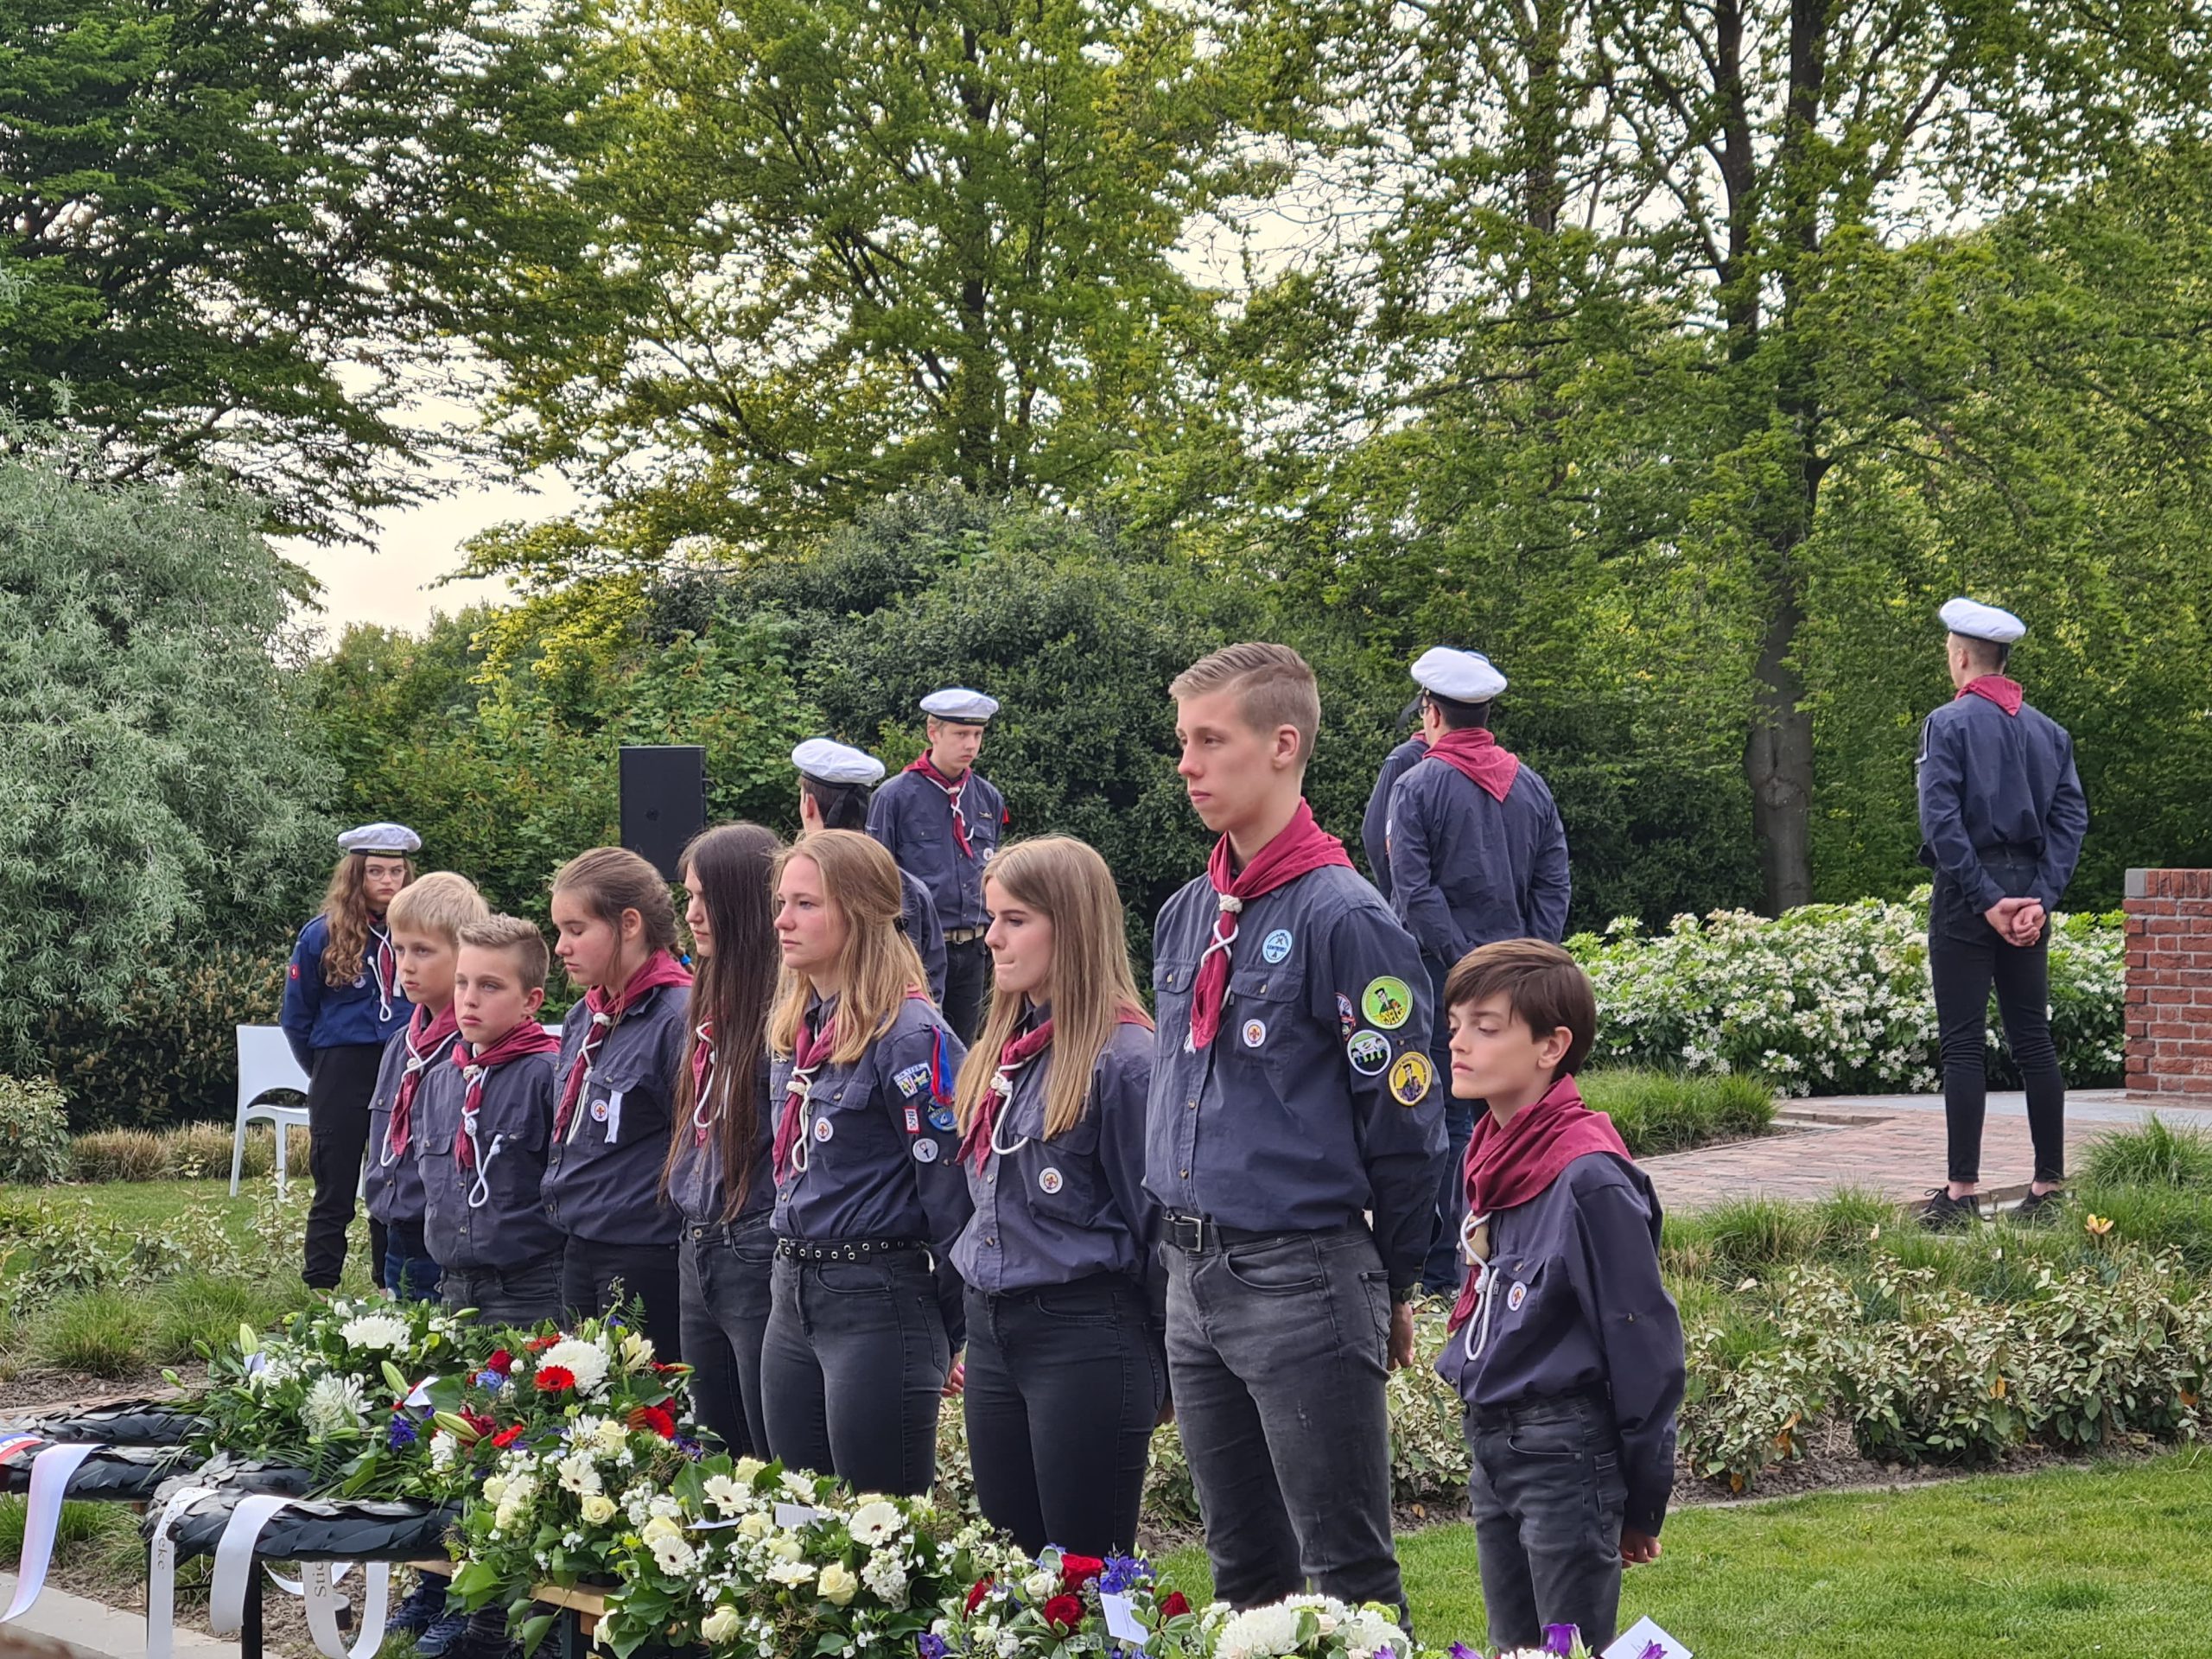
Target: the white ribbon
(234, 1561)
(161, 1580)
(323, 1601)
(235, 1564)
(50, 1472)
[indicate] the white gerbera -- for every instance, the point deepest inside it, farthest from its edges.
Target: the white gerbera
(335, 1405)
(791, 1572)
(577, 1474)
(585, 1361)
(872, 1523)
(728, 1497)
(387, 1331)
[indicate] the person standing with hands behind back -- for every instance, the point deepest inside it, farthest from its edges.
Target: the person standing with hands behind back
(2002, 816)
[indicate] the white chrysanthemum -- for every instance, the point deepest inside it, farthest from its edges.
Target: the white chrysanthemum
(445, 1451)
(1259, 1633)
(335, 1405)
(585, 1361)
(874, 1522)
(720, 1624)
(376, 1331)
(791, 1572)
(725, 1494)
(578, 1475)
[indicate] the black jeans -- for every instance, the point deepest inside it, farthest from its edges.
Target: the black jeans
(1547, 1495)
(1277, 1353)
(594, 1277)
(853, 1369)
(967, 972)
(1966, 958)
(525, 1296)
(1064, 1389)
(724, 1273)
(339, 1082)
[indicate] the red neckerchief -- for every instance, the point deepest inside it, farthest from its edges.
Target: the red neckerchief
(426, 1038)
(702, 1079)
(527, 1038)
(1474, 755)
(1510, 1165)
(1016, 1053)
(1300, 849)
(2005, 694)
(606, 1012)
(952, 793)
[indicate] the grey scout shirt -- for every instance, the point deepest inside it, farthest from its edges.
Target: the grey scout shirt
(879, 1148)
(1993, 783)
(1467, 868)
(1573, 1302)
(395, 1184)
(1314, 1102)
(1375, 827)
(602, 1179)
(697, 1182)
(492, 1216)
(912, 818)
(918, 920)
(1051, 1212)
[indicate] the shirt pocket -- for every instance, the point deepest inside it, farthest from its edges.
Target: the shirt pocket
(1172, 981)
(1060, 1177)
(1265, 1018)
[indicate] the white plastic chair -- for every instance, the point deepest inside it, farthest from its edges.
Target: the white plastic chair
(265, 1064)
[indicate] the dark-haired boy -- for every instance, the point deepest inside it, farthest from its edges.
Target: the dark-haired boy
(1565, 1345)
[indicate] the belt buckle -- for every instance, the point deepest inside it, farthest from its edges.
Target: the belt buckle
(1197, 1226)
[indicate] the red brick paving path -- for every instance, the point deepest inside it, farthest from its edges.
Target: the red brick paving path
(1892, 1144)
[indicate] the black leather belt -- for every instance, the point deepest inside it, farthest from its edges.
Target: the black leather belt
(965, 935)
(845, 1250)
(1195, 1235)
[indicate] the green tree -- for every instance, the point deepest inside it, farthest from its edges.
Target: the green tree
(158, 786)
(246, 236)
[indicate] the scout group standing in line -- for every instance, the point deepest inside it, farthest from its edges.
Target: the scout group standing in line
(905, 1129)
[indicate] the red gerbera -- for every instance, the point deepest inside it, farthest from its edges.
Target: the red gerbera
(507, 1436)
(1063, 1613)
(539, 1344)
(982, 1588)
(551, 1379)
(502, 1362)
(659, 1419)
(1076, 1570)
(1174, 1604)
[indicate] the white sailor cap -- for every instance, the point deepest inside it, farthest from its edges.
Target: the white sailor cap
(835, 763)
(1462, 676)
(957, 703)
(1978, 621)
(381, 841)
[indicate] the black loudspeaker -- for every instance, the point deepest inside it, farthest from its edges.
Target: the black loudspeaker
(663, 801)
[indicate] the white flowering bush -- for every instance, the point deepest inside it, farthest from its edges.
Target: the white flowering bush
(1829, 998)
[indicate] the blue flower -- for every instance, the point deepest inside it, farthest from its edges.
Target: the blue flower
(491, 1381)
(1560, 1639)
(690, 1448)
(402, 1432)
(1122, 1574)
(930, 1646)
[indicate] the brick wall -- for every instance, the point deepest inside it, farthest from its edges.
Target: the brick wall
(2170, 981)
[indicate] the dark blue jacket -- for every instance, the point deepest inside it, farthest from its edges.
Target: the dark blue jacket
(1375, 828)
(880, 1148)
(2000, 788)
(1573, 1302)
(316, 1015)
(395, 1184)
(1272, 1128)
(602, 1179)
(1466, 870)
(697, 1183)
(492, 1216)
(1049, 1213)
(913, 820)
(918, 920)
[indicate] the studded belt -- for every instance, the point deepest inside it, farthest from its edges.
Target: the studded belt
(845, 1250)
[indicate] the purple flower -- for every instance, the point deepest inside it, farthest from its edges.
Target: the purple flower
(930, 1646)
(1653, 1650)
(1461, 1650)
(1559, 1639)
(1122, 1574)
(694, 1450)
(402, 1432)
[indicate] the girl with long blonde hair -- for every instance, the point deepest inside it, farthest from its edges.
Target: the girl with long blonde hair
(864, 1313)
(1065, 1376)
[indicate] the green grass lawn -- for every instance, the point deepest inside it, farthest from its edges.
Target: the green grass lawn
(2066, 1563)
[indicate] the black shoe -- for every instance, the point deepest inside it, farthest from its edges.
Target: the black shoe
(2041, 1209)
(484, 1635)
(1945, 1214)
(420, 1610)
(446, 1636)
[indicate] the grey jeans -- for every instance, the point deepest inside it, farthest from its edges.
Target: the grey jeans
(525, 1296)
(1277, 1351)
(1547, 1495)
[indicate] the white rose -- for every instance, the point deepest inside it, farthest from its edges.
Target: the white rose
(495, 1488)
(748, 1469)
(720, 1624)
(838, 1584)
(1042, 1586)
(755, 1527)
(786, 1546)
(598, 1508)
(610, 1437)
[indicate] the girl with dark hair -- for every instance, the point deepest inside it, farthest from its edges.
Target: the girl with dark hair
(342, 1005)
(621, 1050)
(718, 1173)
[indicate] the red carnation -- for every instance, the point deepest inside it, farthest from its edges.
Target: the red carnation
(539, 1344)
(976, 1596)
(551, 1379)
(1076, 1570)
(1063, 1613)
(659, 1419)
(507, 1436)
(503, 1362)
(1174, 1604)
(477, 1420)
